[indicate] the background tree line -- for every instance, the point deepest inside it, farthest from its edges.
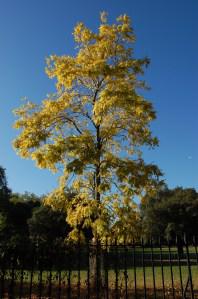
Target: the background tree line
(26, 221)
(170, 212)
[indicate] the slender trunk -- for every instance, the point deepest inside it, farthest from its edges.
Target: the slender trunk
(96, 256)
(97, 173)
(96, 264)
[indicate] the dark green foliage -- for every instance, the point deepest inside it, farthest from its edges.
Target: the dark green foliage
(14, 232)
(24, 219)
(171, 212)
(48, 226)
(4, 191)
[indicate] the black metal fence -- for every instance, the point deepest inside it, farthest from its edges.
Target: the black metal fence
(138, 270)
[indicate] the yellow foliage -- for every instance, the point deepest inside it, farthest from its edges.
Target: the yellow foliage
(94, 127)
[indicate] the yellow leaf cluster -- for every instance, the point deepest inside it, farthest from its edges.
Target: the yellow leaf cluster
(93, 127)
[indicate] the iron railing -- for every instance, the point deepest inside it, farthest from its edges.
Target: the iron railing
(108, 270)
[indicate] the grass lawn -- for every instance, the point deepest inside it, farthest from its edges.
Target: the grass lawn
(131, 273)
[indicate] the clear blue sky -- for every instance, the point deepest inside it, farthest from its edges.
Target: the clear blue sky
(167, 32)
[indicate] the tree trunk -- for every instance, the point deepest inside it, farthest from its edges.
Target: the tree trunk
(96, 264)
(96, 254)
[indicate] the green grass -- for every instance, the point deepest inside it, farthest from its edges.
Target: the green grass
(111, 283)
(121, 278)
(164, 250)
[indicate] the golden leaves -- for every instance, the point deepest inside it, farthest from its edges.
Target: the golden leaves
(94, 127)
(82, 34)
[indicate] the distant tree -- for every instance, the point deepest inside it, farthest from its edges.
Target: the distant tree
(14, 233)
(30, 200)
(3, 181)
(48, 227)
(4, 190)
(170, 213)
(94, 127)
(5, 193)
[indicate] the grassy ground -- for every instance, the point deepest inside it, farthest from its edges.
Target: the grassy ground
(135, 277)
(131, 274)
(121, 286)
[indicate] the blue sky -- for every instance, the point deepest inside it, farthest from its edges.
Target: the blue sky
(167, 32)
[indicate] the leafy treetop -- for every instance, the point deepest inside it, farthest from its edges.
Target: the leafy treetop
(93, 128)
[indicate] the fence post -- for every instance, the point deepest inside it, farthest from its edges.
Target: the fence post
(143, 266)
(49, 278)
(134, 266)
(162, 267)
(106, 269)
(96, 265)
(21, 279)
(171, 268)
(88, 270)
(125, 269)
(116, 269)
(40, 276)
(2, 272)
(79, 264)
(178, 244)
(12, 283)
(153, 268)
(189, 266)
(33, 254)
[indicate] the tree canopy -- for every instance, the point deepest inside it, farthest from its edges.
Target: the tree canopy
(15, 211)
(47, 226)
(170, 213)
(4, 189)
(93, 128)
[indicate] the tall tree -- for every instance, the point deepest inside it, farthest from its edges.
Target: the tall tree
(48, 226)
(94, 127)
(4, 190)
(170, 213)
(14, 215)
(5, 193)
